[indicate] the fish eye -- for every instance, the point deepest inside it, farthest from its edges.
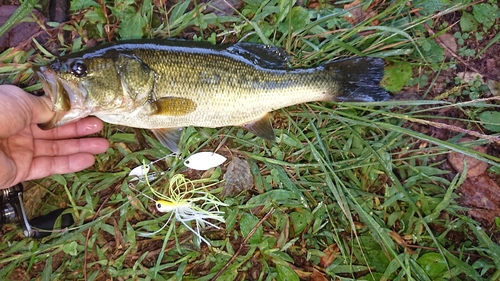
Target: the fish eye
(78, 68)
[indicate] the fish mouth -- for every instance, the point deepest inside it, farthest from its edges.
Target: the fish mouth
(67, 98)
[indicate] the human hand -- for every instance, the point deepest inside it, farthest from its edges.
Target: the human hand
(27, 152)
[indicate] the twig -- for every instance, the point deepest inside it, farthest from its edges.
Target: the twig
(250, 234)
(105, 13)
(493, 139)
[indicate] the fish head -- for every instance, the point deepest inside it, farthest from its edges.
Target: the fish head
(80, 86)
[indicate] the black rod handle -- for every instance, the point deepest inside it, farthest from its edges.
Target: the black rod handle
(48, 221)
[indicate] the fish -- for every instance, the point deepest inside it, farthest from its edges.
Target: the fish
(167, 85)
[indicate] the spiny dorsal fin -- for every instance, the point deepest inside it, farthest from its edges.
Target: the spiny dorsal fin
(265, 56)
(169, 137)
(262, 128)
(173, 106)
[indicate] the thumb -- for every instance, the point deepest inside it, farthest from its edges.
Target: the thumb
(37, 109)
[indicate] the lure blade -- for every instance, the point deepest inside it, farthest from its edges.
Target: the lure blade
(139, 172)
(204, 160)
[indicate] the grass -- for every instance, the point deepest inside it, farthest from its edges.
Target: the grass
(349, 192)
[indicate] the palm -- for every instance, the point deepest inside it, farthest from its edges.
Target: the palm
(16, 157)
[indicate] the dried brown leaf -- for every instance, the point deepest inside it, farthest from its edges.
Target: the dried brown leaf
(450, 41)
(21, 32)
(237, 178)
(474, 166)
(331, 254)
(317, 276)
(481, 192)
(357, 14)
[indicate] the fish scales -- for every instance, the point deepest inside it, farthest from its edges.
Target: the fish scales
(226, 91)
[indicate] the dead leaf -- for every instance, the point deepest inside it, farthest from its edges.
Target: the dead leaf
(474, 166)
(237, 178)
(301, 273)
(356, 13)
(59, 10)
(317, 276)
(482, 195)
(399, 240)
(494, 87)
(492, 68)
(331, 254)
(485, 216)
(468, 76)
(450, 41)
(21, 32)
(223, 7)
(481, 192)
(119, 241)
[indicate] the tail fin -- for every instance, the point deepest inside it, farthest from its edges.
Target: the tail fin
(358, 79)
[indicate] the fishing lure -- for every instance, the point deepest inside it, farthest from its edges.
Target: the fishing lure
(187, 203)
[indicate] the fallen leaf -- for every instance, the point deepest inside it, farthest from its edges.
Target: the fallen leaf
(356, 13)
(485, 216)
(397, 238)
(494, 87)
(237, 177)
(331, 254)
(450, 41)
(482, 195)
(481, 192)
(317, 276)
(223, 7)
(396, 76)
(59, 10)
(22, 31)
(475, 167)
(468, 76)
(492, 68)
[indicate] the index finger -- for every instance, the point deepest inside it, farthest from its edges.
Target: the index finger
(80, 128)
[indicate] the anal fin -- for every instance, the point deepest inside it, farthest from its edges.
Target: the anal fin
(169, 137)
(262, 128)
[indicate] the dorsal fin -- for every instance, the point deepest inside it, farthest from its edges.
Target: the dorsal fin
(262, 128)
(265, 56)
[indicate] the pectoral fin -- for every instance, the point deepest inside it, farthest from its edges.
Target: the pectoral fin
(173, 106)
(262, 128)
(169, 137)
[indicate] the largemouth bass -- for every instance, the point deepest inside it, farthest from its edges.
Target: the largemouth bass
(166, 85)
